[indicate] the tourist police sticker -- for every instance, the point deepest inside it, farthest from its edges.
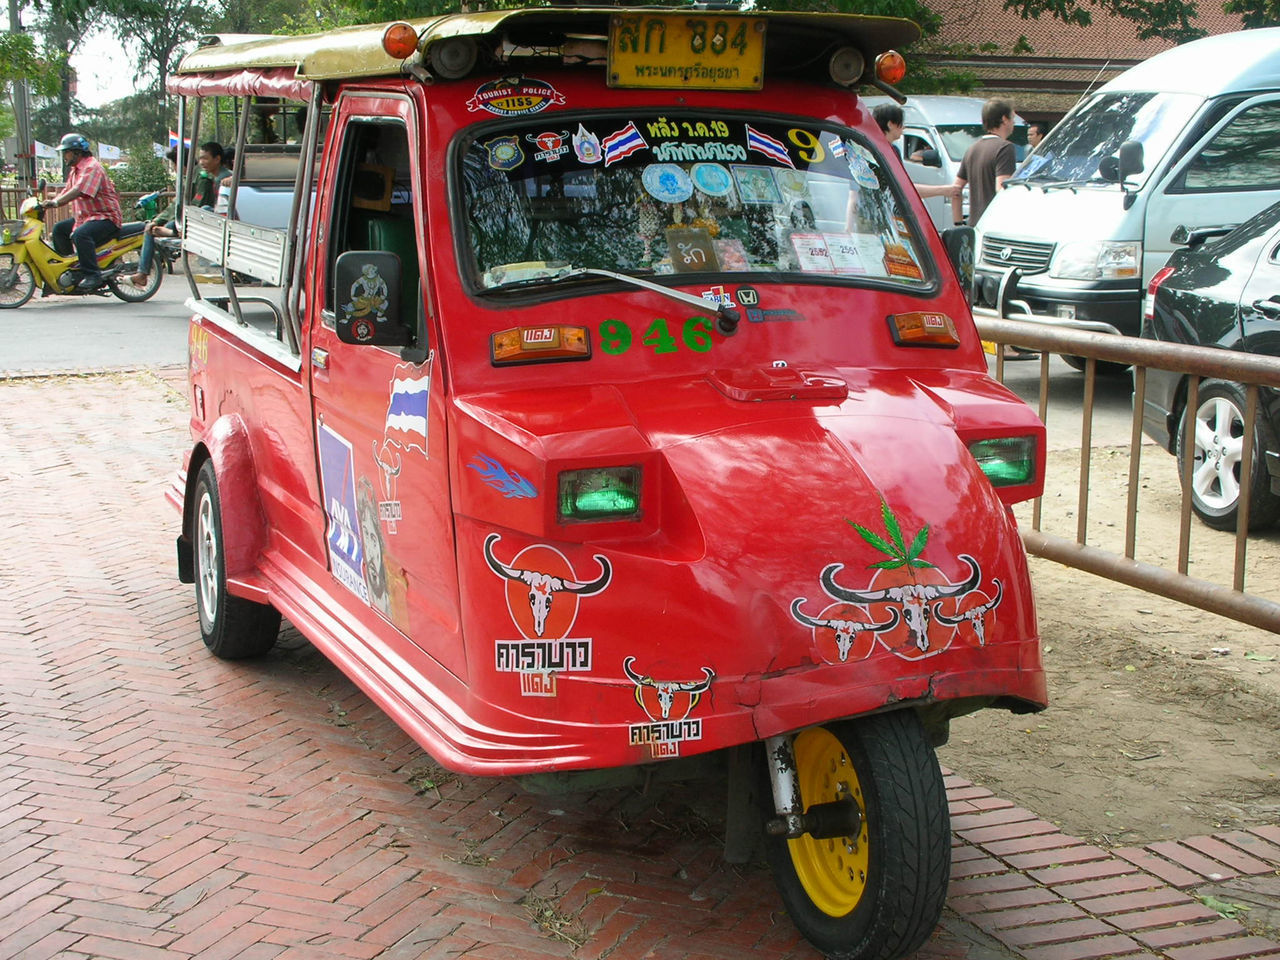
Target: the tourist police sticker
(515, 97)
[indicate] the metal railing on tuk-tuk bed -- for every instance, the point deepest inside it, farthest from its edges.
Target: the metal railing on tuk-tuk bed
(1198, 363)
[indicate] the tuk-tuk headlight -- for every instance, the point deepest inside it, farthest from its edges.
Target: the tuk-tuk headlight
(1097, 260)
(599, 493)
(1006, 461)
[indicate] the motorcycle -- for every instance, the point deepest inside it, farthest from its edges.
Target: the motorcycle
(27, 259)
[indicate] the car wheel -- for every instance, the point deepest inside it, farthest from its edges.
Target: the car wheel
(1216, 483)
(878, 895)
(17, 283)
(233, 628)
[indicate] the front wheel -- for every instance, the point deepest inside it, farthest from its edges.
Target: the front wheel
(878, 895)
(233, 628)
(17, 283)
(1218, 441)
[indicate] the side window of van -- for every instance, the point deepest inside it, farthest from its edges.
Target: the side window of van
(373, 205)
(1244, 155)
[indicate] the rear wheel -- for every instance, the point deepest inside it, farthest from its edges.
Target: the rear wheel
(878, 895)
(17, 283)
(123, 287)
(233, 628)
(1216, 481)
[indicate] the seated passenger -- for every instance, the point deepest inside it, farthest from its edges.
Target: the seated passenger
(204, 194)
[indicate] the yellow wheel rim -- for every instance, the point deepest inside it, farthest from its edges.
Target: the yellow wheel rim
(833, 872)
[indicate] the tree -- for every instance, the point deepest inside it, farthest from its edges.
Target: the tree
(1255, 13)
(1171, 20)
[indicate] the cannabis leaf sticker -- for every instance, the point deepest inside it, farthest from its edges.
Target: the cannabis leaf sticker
(900, 555)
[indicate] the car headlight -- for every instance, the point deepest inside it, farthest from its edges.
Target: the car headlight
(1097, 260)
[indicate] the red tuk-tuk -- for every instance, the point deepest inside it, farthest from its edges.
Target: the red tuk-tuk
(591, 386)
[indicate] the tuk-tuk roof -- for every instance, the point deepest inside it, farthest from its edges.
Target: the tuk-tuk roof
(351, 52)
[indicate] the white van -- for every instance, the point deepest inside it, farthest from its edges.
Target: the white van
(1190, 137)
(936, 132)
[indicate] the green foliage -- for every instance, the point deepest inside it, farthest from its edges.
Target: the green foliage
(1255, 13)
(146, 171)
(1166, 19)
(19, 60)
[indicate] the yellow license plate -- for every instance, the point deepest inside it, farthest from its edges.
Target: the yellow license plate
(686, 51)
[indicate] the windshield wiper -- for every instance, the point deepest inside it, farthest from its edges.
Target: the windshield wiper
(726, 319)
(1071, 184)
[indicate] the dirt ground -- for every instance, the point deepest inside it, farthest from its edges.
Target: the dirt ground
(1164, 719)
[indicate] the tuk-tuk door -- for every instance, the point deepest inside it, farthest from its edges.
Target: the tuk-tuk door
(378, 412)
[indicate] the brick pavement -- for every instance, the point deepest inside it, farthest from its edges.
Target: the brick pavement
(158, 803)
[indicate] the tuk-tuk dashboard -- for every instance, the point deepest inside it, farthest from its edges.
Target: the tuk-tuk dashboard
(684, 195)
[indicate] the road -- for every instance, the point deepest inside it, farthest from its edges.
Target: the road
(1113, 403)
(63, 334)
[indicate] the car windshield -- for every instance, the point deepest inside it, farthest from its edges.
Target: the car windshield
(1073, 149)
(652, 195)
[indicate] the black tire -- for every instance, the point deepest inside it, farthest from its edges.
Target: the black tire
(17, 283)
(892, 897)
(126, 266)
(1215, 468)
(233, 628)
(1105, 367)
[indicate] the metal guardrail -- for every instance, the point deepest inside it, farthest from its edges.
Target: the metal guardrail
(1198, 363)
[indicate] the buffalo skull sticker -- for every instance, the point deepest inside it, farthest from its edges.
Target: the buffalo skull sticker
(908, 605)
(668, 705)
(542, 597)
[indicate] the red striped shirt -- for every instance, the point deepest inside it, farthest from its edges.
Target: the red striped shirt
(98, 199)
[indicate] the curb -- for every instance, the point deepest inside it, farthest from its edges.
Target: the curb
(1051, 896)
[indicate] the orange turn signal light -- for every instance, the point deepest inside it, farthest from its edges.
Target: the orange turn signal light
(891, 67)
(923, 329)
(537, 344)
(400, 40)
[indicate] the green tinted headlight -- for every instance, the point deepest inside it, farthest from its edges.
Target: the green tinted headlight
(600, 493)
(1007, 461)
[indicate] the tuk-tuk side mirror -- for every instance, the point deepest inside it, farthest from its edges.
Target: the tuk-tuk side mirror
(959, 242)
(367, 298)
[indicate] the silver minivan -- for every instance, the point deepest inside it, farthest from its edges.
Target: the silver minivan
(1190, 137)
(936, 132)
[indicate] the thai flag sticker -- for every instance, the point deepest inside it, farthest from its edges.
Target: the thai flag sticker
(406, 425)
(836, 146)
(771, 148)
(620, 145)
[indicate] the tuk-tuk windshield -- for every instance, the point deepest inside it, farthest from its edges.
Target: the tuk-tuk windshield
(656, 195)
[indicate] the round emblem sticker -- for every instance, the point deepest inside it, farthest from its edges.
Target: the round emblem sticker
(862, 173)
(667, 183)
(791, 181)
(712, 179)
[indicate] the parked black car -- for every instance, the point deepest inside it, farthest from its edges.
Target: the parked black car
(1221, 290)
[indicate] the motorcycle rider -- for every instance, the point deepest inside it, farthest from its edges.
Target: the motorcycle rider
(95, 206)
